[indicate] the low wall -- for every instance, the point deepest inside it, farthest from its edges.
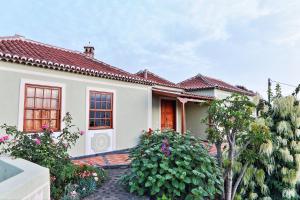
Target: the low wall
(21, 179)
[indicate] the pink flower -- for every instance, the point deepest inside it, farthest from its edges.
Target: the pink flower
(4, 138)
(45, 126)
(82, 132)
(37, 141)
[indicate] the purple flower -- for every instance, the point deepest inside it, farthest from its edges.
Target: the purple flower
(37, 141)
(165, 147)
(45, 126)
(4, 138)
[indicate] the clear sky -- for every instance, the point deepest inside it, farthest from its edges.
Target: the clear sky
(239, 41)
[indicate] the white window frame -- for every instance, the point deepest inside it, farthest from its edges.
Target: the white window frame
(87, 117)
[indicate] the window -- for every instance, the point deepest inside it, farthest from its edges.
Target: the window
(42, 107)
(101, 110)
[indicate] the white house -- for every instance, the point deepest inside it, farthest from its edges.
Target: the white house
(39, 83)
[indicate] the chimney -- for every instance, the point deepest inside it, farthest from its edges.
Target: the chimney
(146, 74)
(89, 50)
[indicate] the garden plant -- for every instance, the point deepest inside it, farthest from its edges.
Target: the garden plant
(169, 165)
(51, 151)
(232, 123)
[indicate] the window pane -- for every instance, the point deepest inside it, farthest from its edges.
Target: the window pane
(53, 124)
(97, 105)
(92, 122)
(54, 104)
(45, 122)
(107, 122)
(47, 93)
(37, 125)
(97, 122)
(103, 97)
(46, 103)
(55, 94)
(29, 124)
(108, 105)
(108, 97)
(97, 114)
(103, 105)
(38, 103)
(39, 92)
(97, 97)
(53, 114)
(92, 97)
(37, 114)
(28, 114)
(102, 114)
(92, 105)
(45, 114)
(107, 115)
(30, 102)
(102, 122)
(92, 114)
(30, 92)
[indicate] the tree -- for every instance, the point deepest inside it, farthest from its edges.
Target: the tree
(285, 126)
(277, 91)
(232, 122)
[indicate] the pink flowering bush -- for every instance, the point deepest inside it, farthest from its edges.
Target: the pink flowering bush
(46, 150)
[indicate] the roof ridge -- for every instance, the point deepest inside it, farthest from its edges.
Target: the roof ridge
(204, 78)
(153, 74)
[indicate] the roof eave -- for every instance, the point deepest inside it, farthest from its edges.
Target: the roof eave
(72, 69)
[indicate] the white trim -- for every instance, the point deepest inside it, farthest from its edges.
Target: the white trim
(83, 79)
(87, 107)
(159, 110)
(44, 83)
(149, 107)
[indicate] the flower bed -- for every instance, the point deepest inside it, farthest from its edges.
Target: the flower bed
(68, 181)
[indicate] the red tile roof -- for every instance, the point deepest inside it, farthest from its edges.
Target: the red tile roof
(203, 82)
(146, 74)
(25, 51)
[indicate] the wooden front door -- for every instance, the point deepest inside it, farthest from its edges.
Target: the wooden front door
(168, 114)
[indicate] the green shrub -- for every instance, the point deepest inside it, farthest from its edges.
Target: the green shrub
(169, 165)
(48, 151)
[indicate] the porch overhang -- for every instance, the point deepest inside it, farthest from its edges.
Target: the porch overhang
(183, 97)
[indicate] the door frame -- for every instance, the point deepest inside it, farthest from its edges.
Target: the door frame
(176, 114)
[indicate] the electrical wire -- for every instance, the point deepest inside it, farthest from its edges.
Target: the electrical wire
(290, 85)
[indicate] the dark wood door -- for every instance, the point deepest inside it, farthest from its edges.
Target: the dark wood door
(168, 114)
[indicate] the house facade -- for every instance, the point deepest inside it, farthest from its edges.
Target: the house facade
(39, 83)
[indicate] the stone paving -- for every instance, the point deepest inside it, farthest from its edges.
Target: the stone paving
(112, 190)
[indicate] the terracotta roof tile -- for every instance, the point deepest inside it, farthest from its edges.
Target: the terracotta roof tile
(20, 48)
(146, 74)
(203, 82)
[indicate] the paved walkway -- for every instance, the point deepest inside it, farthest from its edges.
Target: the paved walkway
(108, 160)
(112, 190)
(114, 159)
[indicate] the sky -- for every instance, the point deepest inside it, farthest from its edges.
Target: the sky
(241, 42)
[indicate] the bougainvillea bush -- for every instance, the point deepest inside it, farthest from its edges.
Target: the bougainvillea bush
(170, 165)
(49, 151)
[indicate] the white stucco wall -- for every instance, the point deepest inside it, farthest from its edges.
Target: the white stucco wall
(131, 107)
